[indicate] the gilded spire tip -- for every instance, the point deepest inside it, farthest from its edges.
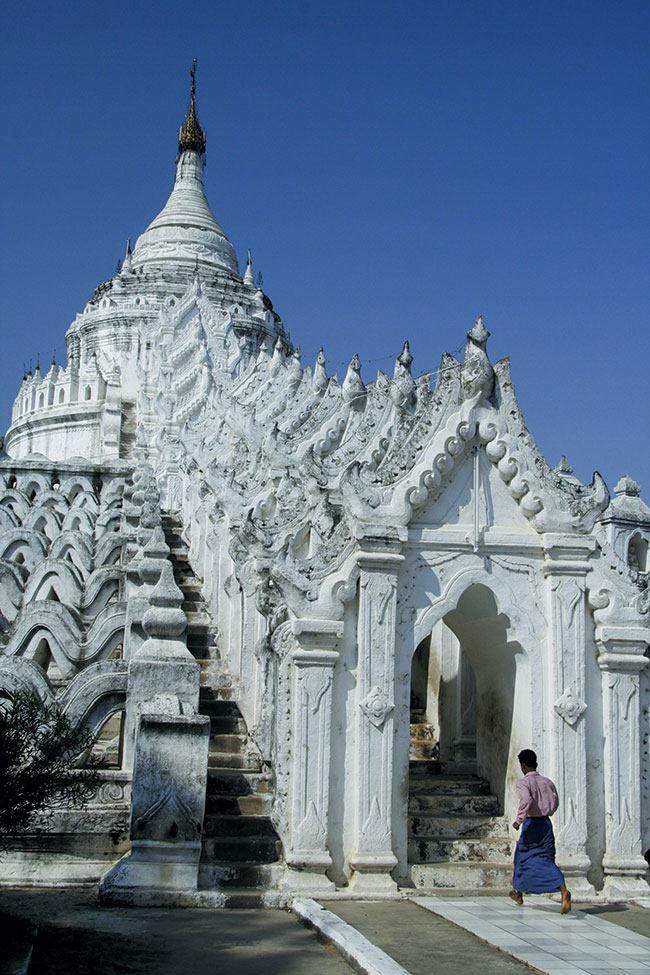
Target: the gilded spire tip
(191, 136)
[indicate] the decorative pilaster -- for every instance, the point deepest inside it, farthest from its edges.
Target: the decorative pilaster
(111, 417)
(313, 672)
(372, 857)
(621, 660)
(566, 566)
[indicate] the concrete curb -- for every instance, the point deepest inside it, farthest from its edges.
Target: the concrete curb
(357, 950)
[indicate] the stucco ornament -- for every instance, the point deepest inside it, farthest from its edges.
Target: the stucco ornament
(570, 707)
(376, 706)
(170, 803)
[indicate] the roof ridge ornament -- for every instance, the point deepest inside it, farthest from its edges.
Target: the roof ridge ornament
(404, 360)
(320, 375)
(353, 389)
(477, 375)
(191, 137)
(402, 390)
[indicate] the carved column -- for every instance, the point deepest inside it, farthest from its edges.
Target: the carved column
(313, 672)
(621, 660)
(566, 566)
(372, 857)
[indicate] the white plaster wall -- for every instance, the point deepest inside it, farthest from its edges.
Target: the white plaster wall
(58, 433)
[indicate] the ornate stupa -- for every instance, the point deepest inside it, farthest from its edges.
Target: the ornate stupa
(92, 407)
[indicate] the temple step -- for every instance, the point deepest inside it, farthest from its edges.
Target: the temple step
(490, 875)
(448, 803)
(445, 785)
(462, 826)
(457, 849)
(456, 835)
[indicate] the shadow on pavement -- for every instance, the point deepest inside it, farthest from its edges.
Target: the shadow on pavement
(77, 936)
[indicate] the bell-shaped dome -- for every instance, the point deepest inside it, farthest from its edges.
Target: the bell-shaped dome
(185, 230)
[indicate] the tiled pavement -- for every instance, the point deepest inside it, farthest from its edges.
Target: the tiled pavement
(573, 944)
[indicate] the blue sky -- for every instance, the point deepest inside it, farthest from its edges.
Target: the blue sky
(396, 169)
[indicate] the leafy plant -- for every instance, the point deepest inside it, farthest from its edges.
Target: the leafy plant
(39, 751)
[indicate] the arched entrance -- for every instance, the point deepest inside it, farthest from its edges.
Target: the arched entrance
(470, 715)
(443, 700)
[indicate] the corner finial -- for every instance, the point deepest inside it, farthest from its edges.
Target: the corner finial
(248, 274)
(191, 136)
(627, 486)
(127, 263)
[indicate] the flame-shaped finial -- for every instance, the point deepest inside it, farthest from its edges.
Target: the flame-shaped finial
(477, 374)
(191, 136)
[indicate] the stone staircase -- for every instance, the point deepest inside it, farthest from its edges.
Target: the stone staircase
(241, 849)
(423, 743)
(457, 837)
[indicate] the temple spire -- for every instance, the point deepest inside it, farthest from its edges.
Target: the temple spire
(191, 136)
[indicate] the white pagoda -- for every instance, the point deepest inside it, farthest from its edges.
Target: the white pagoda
(312, 621)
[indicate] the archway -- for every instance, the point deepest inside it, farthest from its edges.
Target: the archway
(495, 658)
(471, 712)
(443, 701)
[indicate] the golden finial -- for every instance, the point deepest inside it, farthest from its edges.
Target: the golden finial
(191, 136)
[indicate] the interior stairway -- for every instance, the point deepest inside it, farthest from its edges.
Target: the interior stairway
(457, 835)
(241, 850)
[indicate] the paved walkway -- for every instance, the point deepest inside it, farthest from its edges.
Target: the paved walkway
(421, 942)
(578, 943)
(77, 937)
(424, 935)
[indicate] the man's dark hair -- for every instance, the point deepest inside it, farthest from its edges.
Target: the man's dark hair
(528, 757)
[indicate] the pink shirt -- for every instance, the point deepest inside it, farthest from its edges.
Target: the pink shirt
(537, 796)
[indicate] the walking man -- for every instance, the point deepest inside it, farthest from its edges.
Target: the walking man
(535, 869)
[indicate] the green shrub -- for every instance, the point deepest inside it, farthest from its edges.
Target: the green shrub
(40, 752)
